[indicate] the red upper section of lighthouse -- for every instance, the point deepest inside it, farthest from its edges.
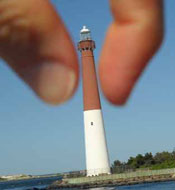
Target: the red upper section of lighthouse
(86, 46)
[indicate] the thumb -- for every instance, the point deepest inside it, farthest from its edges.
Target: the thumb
(36, 45)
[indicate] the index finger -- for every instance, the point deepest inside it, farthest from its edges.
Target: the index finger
(131, 41)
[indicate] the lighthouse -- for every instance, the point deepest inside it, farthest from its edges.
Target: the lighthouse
(97, 159)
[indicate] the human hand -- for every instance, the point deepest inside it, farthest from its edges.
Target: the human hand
(36, 45)
(131, 41)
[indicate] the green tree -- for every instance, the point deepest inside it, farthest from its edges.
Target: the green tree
(149, 159)
(161, 160)
(162, 157)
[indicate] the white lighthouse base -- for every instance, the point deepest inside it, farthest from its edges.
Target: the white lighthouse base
(97, 160)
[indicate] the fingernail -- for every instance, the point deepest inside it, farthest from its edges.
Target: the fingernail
(53, 82)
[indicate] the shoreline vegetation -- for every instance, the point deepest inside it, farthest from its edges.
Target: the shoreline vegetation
(161, 160)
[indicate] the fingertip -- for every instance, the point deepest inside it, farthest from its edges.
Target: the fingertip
(39, 49)
(53, 82)
(117, 100)
(117, 90)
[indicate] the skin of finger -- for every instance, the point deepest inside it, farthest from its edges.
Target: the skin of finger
(131, 41)
(32, 33)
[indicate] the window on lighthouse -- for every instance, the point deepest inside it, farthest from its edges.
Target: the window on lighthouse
(92, 123)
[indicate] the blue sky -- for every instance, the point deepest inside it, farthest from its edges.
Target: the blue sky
(36, 138)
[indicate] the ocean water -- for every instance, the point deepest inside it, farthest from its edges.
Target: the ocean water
(150, 186)
(27, 184)
(44, 182)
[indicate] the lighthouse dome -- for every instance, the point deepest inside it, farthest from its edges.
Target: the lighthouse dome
(85, 34)
(84, 30)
